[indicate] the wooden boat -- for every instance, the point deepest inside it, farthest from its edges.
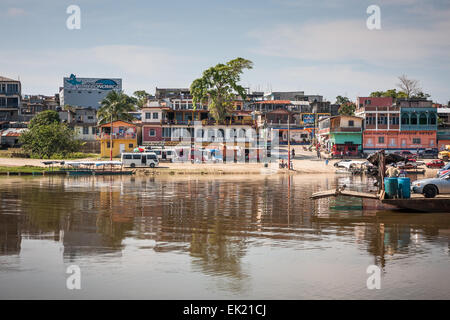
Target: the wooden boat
(415, 203)
(422, 204)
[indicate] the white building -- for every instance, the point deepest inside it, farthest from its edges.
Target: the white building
(87, 92)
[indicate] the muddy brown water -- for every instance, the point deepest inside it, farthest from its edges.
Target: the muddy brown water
(223, 237)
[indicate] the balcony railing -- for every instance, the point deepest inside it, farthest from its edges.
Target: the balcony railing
(106, 136)
(346, 129)
(424, 127)
(208, 122)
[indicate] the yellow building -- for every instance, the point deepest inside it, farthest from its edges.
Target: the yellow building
(124, 138)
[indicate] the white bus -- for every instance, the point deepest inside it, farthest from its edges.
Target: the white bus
(163, 154)
(139, 159)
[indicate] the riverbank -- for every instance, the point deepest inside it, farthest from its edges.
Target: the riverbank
(304, 162)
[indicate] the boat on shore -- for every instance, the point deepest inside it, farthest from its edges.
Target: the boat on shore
(90, 168)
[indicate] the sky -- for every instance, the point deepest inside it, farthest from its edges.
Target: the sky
(319, 47)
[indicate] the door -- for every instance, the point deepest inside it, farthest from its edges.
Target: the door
(122, 148)
(144, 160)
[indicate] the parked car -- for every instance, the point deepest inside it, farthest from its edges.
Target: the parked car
(435, 164)
(444, 170)
(429, 154)
(407, 154)
(342, 163)
(432, 187)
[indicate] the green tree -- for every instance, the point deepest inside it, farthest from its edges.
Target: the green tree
(342, 100)
(47, 136)
(115, 106)
(347, 109)
(141, 97)
(45, 118)
(219, 86)
(377, 94)
(393, 93)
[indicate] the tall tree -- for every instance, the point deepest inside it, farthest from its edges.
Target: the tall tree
(141, 97)
(347, 109)
(115, 106)
(341, 100)
(47, 136)
(218, 87)
(409, 86)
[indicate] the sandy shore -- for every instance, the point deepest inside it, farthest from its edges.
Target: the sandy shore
(305, 162)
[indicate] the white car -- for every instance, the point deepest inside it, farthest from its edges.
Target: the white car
(432, 187)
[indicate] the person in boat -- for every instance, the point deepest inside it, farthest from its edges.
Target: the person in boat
(392, 171)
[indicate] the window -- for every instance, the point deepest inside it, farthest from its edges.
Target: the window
(432, 119)
(351, 123)
(380, 139)
(394, 120)
(392, 143)
(94, 131)
(85, 130)
(416, 141)
(147, 115)
(405, 119)
(130, 145)
(423, 119)
(151, 156)
(152, 132)
(414, 119)
(108, 145)
(155, 115)
(12, 88)
(127, 156)
(90, 117)
(370, 120)
(431, 143)
(136, 156)
(403, 142)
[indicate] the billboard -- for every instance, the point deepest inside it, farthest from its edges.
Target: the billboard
(308, 118)
(105, 84)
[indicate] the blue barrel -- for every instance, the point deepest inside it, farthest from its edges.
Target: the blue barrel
(404, 188)
(391, 187)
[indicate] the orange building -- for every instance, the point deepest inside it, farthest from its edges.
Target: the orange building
(123, 137)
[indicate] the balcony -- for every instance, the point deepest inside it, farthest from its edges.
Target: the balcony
(420, 127)
(346, 129)
(106, 136)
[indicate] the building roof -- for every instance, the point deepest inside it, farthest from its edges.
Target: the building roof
(12, 132)
(6, 79)
(117, 123)
(274, 102)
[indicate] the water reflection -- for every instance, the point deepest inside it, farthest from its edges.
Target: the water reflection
(221, 224)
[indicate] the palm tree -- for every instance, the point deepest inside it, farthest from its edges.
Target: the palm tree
(116, 106)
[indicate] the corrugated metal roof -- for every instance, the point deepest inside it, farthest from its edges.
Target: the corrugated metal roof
(12, 132)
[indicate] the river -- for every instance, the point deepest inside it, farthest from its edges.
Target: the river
(205, 237)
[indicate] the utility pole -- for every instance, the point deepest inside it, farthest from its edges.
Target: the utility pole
(110, 140)
(289, 141)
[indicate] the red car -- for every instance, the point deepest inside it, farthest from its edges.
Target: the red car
(436, 164)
